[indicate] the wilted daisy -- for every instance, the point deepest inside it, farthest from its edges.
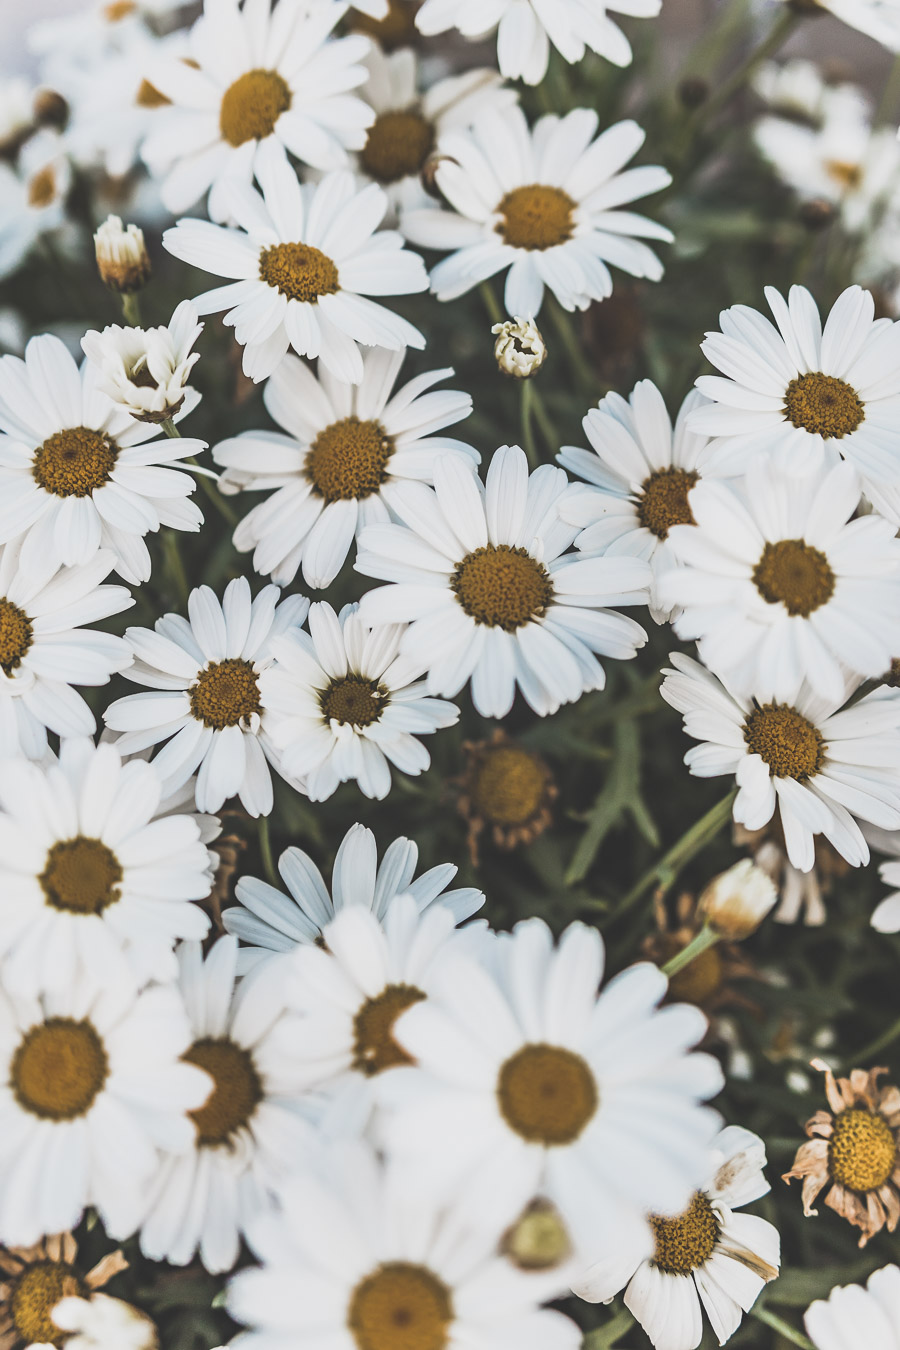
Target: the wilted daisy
(104, 1323)
(144, 371)
(205, 701)
(270, 921)
(543, 203)
(821, 766)
(852, 1316)
(879, 19)
(34, 1279)
(32, 197)
(256, 76)
(89, 1135)
(641, 472)
(342, 444)
(479, 574)
(507, 790)
(708, 1258)
(804, 394)
(304, 260)
(95, 885)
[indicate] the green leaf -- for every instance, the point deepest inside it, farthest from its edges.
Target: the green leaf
(620, 796)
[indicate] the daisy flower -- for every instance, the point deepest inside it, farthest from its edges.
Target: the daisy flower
(256, 76)
(381, 1272)
(34, 1279)
(878, 19)
(641, 471)
(708, 1258)
(823, 767)
(527, 1083)
(479, 574)
(202, 676)
(270, 921)
(144, 371)
(853, 1316)
(526, 28)
(342, 705)
(804, 394)
(95, 884)
(341, 445)
(249, 1132)
(303, 262)
(90, 1135)
(544, 203)
(45, 649)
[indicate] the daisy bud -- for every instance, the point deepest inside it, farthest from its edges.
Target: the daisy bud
(735, 903)
(538, 1240)
(50, 109)
(122, 258)
(520, 350)
(144, 371)
(816, 214)
(103, 1323)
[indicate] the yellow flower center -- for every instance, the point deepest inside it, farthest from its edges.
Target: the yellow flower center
(547, 1094)
(502, 586)
(354, 701)
(15, 636)
(298, 271)
(664, 500)
(73, 463)
(349, 459)
(538, 1240)
(58, 1069)
(36, 1293)
(796, 574)
(252, 105)
(400, 1307)
(397, 146)
(119, 10)
(824, 405)
(81, 876)
(687, 1242)
(789, 743)
(374, 1047)
(396, 29)
(42, 188)
(236, 1093)
(148, 96)
(510, 785)
(226, 693)
(536, 217)
(862, 1152)
(847, 176)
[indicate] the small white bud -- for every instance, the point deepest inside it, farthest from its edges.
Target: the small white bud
(735, 903)
(103, 1323)
(122, 258)
(145, 370)
(520, 350)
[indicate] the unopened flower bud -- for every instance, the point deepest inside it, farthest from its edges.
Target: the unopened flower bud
(103, 1323)
(520, 350)
(122, 258)
(735, 903)
(50, 109)
(538, 1240)
(144, 371)
(816, 214)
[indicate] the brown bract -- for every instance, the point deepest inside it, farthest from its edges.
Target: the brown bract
(34, 1279)
(506, 789)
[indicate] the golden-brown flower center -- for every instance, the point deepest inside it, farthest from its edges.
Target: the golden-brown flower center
(796, 575)
(148, 96)
(58, 1069)
(74, 462)
(118, 10)
(789, 743)
(15, 636)
(226, 693)
(237, 1089)
(862, 1152)
(349, 459)
(502, 586)
(252, 105)
(847, 176)
(684, 1243)
(396, 29)
(823, 405)
(536, 217)
(397, 145)
(664, 500)
(298, 271)
(36, 1293)
(547, 1094)
(81, 876)
(400, 1307)
(42, 188)
(353, 700)
(374, 1047)
(510, 785)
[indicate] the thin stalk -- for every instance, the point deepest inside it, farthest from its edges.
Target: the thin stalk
(265, 849)
(562, 322)
(212, 494)
(783, 1328)
(528, 442)
(700, 943)
(777, 35)
(664, 874)
(890, 96)
(880, 1043)
(491, 303)
(542, 417)
(176, 566)
(131, 308)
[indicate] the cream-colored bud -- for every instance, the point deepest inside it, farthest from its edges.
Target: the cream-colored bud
(735, 903)
(538, 1240)
(122, 258)
(520, 350)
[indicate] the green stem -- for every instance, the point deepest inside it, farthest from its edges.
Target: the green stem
(265, 849)
(562, 322)
(890, 96)
(777, 35)
(605, 1337)
(701, 942)
(131, 308)
(211, 493)
(783, 1328)
(692, 842)
(176, 566)
(491, 303)
(548, 430)
(880, 1043)
(528, 444)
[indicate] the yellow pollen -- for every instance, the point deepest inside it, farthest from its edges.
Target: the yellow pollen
(536, 217)
(664, 500)
(396, 29)
(15, 636)
(353, 700)
(510, 785)
(823, 405)
(42, 188)
(847, 176)
(226, 694)
(236, 1093)
(400, 1307)
(687, 1242)
(547, 1094)
(789, 743)
(862, 1152)
(73, 463)
(397, 145)
(374, 1047)
(81, 876)
(502, 586)
(349, 459)
(298, 271)
(58, 1069)
(36, 1293)
(148, 96)
(796, 574)
(252, 105)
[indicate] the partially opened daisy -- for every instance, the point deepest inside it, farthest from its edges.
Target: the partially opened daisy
(77, 474)
(806, 395)
(480, 574)
(270, 921)
(878, 19)
(822, 766)
(34, 1279)
(145, 371)
(708, 1258)
(543, 203)
(852, 1316)
(205, 701)
(256, 76)
(303, 262)
(341, 445)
